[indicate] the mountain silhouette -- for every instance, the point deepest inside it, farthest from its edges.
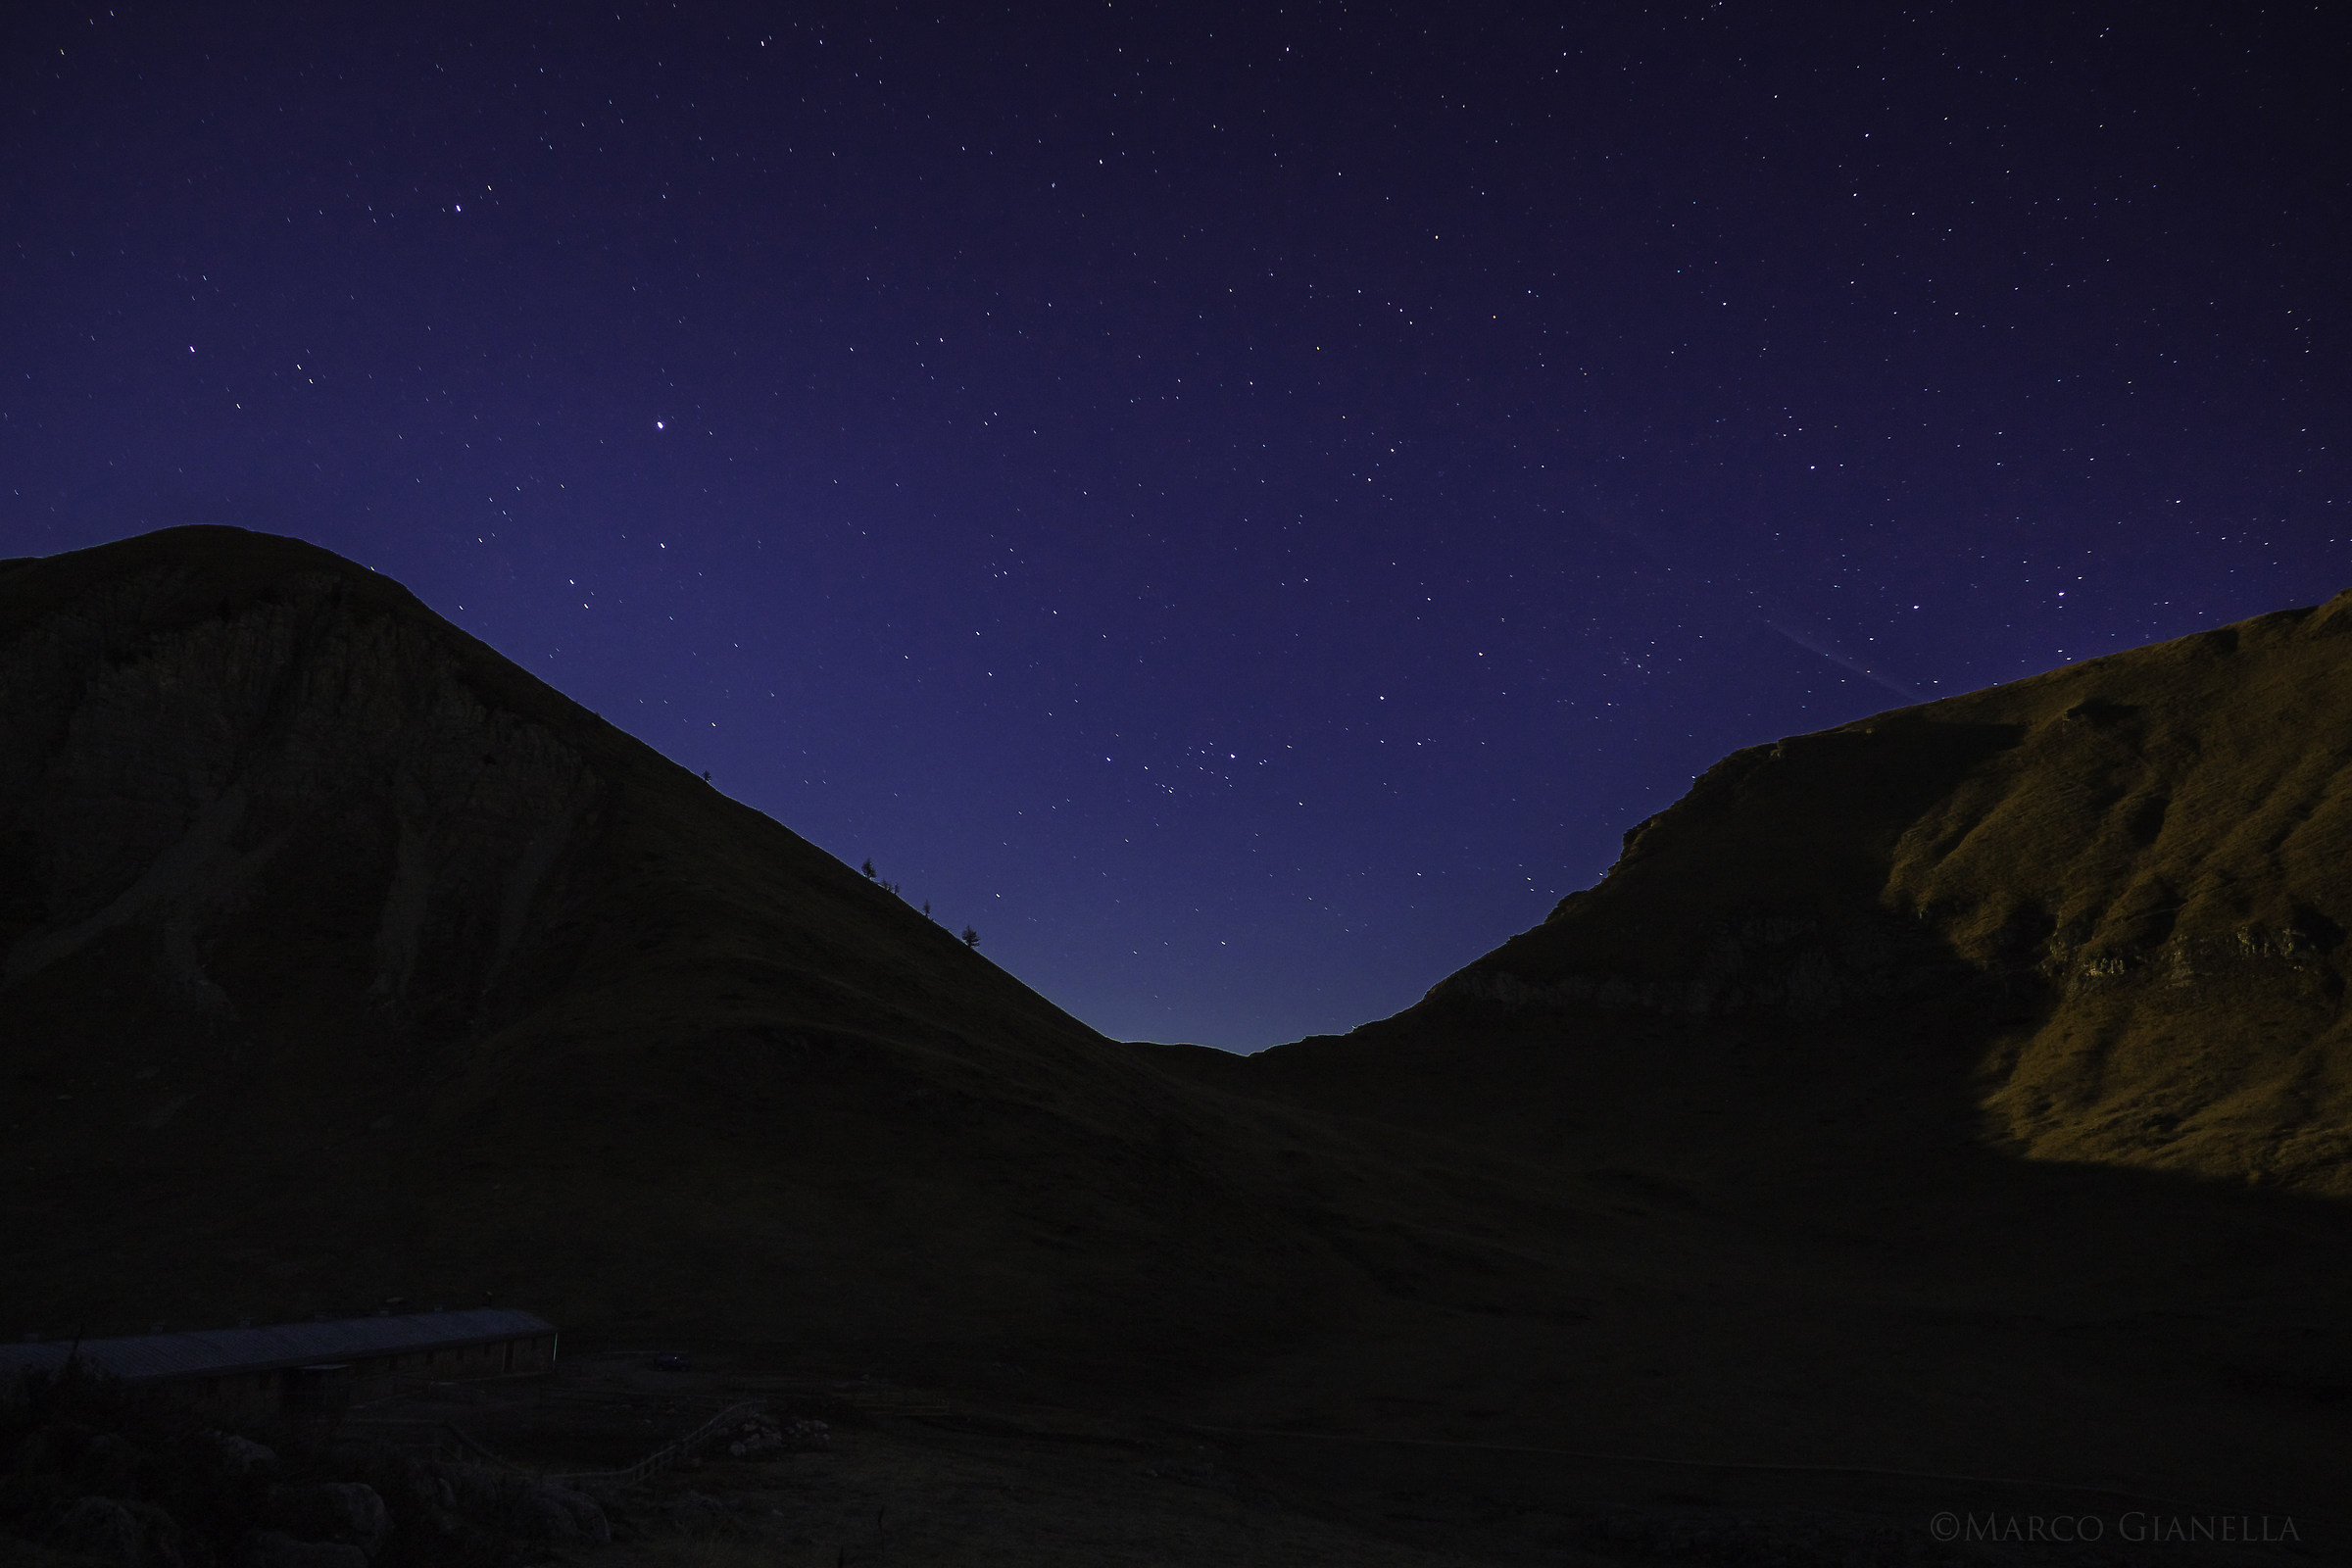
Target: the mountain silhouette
(345, 961)
(1961, 1092)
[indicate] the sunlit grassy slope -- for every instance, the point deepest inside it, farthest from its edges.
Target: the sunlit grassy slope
(2116, 895)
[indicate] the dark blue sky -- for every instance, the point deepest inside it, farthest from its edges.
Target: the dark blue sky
(1244, 506)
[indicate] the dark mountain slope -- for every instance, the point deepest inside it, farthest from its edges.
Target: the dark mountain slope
(344, 960)
(205, 725)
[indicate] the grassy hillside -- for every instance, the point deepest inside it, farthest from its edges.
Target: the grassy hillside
(2116, 895)
(2004, 1033)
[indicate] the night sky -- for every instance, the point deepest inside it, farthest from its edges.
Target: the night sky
(1242, 505)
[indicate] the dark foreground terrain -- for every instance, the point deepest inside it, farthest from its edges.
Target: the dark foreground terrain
(798, 1465)
(902, 1474)
(1948, 1112)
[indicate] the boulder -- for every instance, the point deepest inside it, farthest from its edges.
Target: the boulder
(102, 1528)
(242, 1456)
(274, 1549)
(131, 1535)
(559, 1514)
(347, 1512)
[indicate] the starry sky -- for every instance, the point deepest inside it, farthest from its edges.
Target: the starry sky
(1242, 505)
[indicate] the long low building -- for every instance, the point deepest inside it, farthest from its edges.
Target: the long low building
(320, 1364)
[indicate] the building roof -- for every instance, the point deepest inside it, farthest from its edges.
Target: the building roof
(219, 1353)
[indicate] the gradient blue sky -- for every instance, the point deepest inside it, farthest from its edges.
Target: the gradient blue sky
(1244, 506)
